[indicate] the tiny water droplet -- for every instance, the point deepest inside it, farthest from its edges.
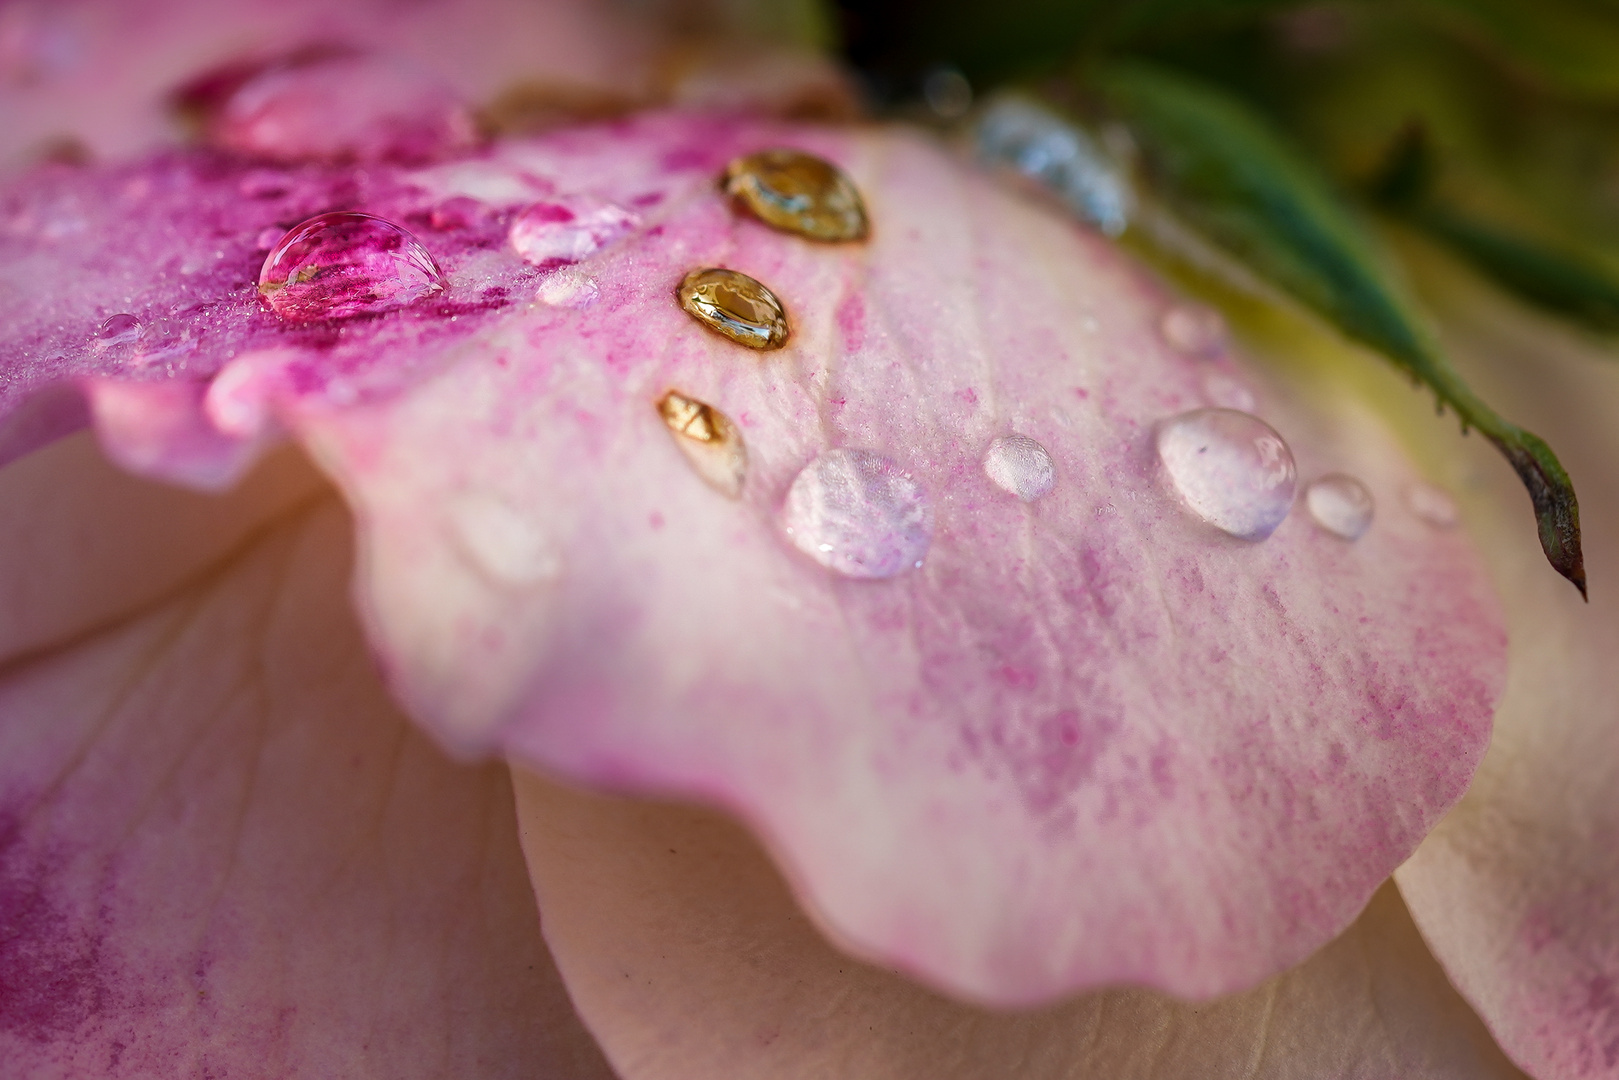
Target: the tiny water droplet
(709, 440)
(567, 288)
(1227, 393)
(859, 514)
(1194, 330)
(346, 263)
(1019, 465)
(167, 340)
(1340, 504)
(556, 233)
(798, 193)
(947, 92)
(502, 542)
(735, 305)
(1432, 505)
(1231, 469)
(1045, 147)
(116, 330)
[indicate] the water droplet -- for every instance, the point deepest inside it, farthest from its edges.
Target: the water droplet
(550, 234)
(709, 440)
(1194, 330)
(167, 340)
(502, 542)
(115, 331)
(328, 104)
(346, 263)
(798, 193)
(1433, 505)
(1020, 466)
(567, 288)
(947, 92)
(1231, 469)
(856, 512)
(1045, 147)
(1340, 504)
(735, 305)
(1227, 393)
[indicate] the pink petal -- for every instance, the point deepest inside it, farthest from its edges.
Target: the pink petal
(222, 850)
(1518, 889)
(689, 961)
(1089, 740)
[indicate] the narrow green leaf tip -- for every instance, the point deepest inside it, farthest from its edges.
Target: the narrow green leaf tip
(1244, 187)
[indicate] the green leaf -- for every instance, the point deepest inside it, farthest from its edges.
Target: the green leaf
(1559, 278)
(1238, 182)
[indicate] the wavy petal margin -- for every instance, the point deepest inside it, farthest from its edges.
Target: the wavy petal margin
(1090, 740)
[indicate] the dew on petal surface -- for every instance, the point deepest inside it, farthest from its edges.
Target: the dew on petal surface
(116, 330)
(1046, 148)
(346, 263)
(1019, 465)
(735, 305)
(1341, 505)
(567, 288)
(798, 193)
(858, 513)
(557, 233)
(1432, 505)
(1194, 330)
(709, 440)
(1231, 469)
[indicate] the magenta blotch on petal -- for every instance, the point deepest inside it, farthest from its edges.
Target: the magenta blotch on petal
(1089, 740)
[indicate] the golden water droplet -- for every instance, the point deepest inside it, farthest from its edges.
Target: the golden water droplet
(735, 305)
(798, 192)
(709, 440)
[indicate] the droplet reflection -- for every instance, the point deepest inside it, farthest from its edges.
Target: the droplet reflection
(798, 193)
(337, 265)
(1019, 465)
(1231, 469)
(857, 513)
(1341, 505)
(735, 305)
(709, 440)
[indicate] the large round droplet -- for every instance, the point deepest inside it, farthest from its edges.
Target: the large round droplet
(1231, 469)
(1340, 504)
(858, 513)
(550, 234)
(346, 263)
(1021, 466)
(798, 193)
(735, 305)
(335, 104)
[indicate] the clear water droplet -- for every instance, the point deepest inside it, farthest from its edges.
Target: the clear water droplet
(115, 331)
(1340, 504)
(708, 438)
(1019, 465)
(1043, 146)
(501, 542)
(556, 233)
(798, 193)
(346, 263)
(1226, 392)
(735, 305)
(859, 514)
(1432, 505)
(567, 288)
(333, 104)
(1231, 469)
(167, 340)
(1194, 330)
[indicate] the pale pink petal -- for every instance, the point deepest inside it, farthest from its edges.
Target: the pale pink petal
(1090, 739)
(1518, 889)
(689, 960)
(224, 853)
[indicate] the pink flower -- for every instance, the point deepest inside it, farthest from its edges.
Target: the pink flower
(941, 597)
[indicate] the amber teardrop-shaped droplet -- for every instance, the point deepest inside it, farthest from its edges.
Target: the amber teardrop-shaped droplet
(709, 440)
(799, 193)
(735, 305)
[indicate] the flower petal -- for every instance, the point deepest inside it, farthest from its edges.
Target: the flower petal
(1517, 890)
(689, 960)
(223, 852)
(1091, 739)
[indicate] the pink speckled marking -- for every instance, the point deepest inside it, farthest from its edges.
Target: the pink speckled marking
(1091, 741)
